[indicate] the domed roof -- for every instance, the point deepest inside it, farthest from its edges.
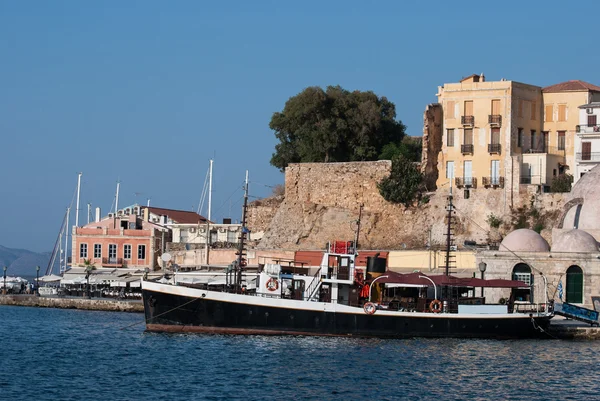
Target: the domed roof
(524, 240)
(575, 241)
(583, 214)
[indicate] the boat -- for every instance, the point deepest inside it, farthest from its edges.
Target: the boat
(337, 298)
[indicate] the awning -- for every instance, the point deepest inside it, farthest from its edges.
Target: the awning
(422, 280)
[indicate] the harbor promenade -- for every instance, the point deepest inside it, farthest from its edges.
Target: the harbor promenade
(100, 304)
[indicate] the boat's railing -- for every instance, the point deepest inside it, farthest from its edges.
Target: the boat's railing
(531, 308)
(313, 286)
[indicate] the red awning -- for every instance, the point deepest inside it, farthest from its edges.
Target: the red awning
(421, 279)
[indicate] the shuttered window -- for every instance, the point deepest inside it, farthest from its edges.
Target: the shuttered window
(468, 108)
(468, 137)
(496, 107)
(549, 109)
(533, 110)
(520, 108)
(562, 112)
(561, 140)
(591, 120)
(450, 137)
(450, 110)
(495, 136)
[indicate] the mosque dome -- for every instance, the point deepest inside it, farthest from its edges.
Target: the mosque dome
(524, 240)
(575, 241)
(585, 199)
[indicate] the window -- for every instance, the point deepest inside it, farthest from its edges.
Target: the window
(533, 111)
(544, 145)
(520, 137)
(496, 107)
(83, 251)
(141, 251)
(126, 251)
(450, 170)
(562, 112)
(495, 136)
(520, 108)
(97, 251)
(112, 252)
(468, 137)
(591, 120)
(450, 110)
(231, 237)
(549, 109)
(468, 108)
(586, 151)
(561, 140)
(532, 140)
(450, 137)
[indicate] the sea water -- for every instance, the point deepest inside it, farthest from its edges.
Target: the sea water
(53, 354)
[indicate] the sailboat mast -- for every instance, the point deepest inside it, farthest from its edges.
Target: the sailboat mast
(77, 207)
(117, 197)
(241, 261)
(66, 250)
(207, 250)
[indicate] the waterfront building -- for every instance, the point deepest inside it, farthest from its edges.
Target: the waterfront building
(587, 139)
(571, 265)
(503, 134)
(134, 236)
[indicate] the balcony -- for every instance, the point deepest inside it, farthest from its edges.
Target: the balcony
(112, 262)
(467, 120)
(542, 148)
(495, 119)
(494, 182)
(587, 157)
(494, 148)
(466, 182)
(525, 179)
(588, 129)
(466, 149)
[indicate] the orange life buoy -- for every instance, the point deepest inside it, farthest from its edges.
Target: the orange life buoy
(369, 308)
(435, 306)
(272, 284)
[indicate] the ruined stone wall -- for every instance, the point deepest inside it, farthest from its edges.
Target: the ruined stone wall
(322, 204)
(260, 213)
(432, 143)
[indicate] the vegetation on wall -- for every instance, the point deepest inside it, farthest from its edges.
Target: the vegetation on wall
(494, 221)
(561, 183)
(334, 125)
(404, 184)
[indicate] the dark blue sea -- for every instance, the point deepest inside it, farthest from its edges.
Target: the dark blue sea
(54, 354)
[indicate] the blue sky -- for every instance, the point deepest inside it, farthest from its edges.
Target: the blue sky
(146, 92)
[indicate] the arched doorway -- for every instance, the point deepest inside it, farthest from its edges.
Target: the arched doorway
(574, 285)
(522, 272)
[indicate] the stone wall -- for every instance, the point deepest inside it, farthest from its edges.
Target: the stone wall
(322, 203)
(432, 143)
(260, 213)
(110, 305)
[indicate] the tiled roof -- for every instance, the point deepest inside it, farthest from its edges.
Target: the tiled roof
(571, 86)
(178, 216)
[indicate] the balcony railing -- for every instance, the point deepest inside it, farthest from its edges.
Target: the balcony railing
(525, 179)
(466, 182)
(542, 148)
(495, 119)
(494, 148)
(587, 156)
(112, 261)
(587, 129)
(467, 120)
(466, 149)
(493, 182)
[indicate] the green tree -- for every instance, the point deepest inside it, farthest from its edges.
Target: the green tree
(562, 183)
(404, 184)
(410, 147)
(334, 125)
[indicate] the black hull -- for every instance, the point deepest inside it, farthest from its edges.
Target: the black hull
(166, 312)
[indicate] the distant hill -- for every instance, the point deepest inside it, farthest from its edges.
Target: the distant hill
(21, 262)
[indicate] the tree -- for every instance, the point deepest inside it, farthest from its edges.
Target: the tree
(334, 125)
(410, 147)
(404, 184)
(562, 183)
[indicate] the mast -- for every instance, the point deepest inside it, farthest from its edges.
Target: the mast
(66, 250)
(207, 251)
(449, 233)
(89, 211)
(241, 253)
(77, 207)
(358, 228)
(117, 197)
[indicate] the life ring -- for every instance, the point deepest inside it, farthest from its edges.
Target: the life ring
(369, 308)
(272, 284)
(435, 306)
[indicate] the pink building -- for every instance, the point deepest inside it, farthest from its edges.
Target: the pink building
(133, 237)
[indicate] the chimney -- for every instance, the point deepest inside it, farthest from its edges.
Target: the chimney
(226, 220)
(482, 78)
(146, 214)
(97, 215)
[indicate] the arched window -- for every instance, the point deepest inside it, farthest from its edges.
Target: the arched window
(574, 285)
(522, 272)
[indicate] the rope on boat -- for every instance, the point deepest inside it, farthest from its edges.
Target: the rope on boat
(536, 327)
(160, 314)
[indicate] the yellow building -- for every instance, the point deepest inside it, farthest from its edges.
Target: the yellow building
(501, 134)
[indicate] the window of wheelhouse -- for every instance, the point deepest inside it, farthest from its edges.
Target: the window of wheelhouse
(522, 272)
(574, 285)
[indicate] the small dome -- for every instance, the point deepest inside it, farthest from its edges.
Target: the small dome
(524, 240)
(575, 241)
(588, 186)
